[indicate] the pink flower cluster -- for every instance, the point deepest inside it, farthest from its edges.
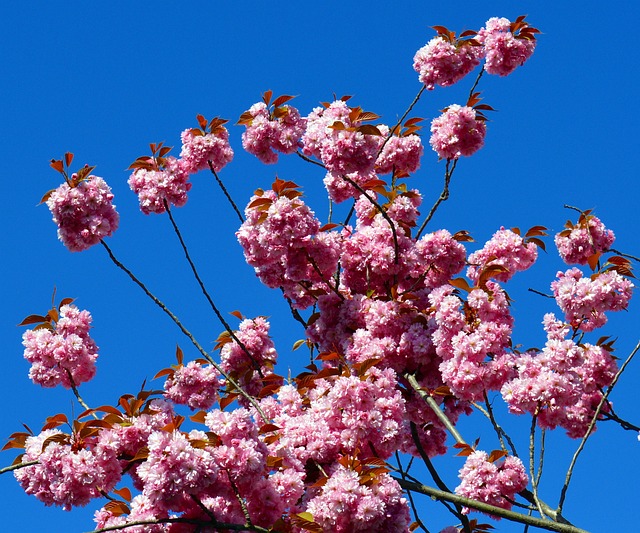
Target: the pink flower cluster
(495, 483)
(254, 335)
(443, 63)
(265, 136)
(346, 415)
(472, 339)
(457, 132)
(585, 300)
(64, 475)
(504, 51)
(64, 355)
(341, 151)
(346, 505)
(85, 213)
(153, 186)
(506, 249)
(562, 383)
(194, 385)
(400, 154)
(287, 248)
(174, 469)
(583, 240)
(198, 150)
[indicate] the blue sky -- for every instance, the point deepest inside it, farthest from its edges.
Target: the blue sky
(103, 80)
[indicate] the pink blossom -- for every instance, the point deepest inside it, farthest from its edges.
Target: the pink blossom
(266, 135)
(472, 339)
(153, 186)
(504, 50)
(506, 249)
(562, 383)
(198, 149)
(340, 189)
(63, 355)
(254, 335)
(342, 151)
(579, 242)
(400, 155)
(346, 505)
(174, 469)
(443, 63)
(492, 482)
(347, 414)
(585, 300)
(458, 131)
(194, 385)
(141, 509)
(85, 213)
(287, 248)
(64, 475)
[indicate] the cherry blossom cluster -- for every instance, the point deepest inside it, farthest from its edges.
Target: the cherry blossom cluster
(84, 212)
(585, 300)
(198, 148)
(504, 45)
(472, 338)
(193, 384)
(345, 415)
(346, 504)
(287, 248)
(506, 249)
(441, 62)
(504, 50)
(579, 242)
(492, 482)
(67, 474)
(561, 384)
(168, 182)
(248, 368)
(400, 154)
(266, 135)
(161, 178)
(341, 150)
(62, 355)
(459, 131)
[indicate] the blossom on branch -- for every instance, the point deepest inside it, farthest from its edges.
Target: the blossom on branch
(458, 131)
(84, 212)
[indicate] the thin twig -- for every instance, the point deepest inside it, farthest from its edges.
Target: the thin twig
(17, 466)
(563, 493)
(220, 526)
(415, 101)
(226, 193)
(444, 195)
(410, 496)
(309, 160)
(436, 477)
(534, 291)
(396, 254)
(624, 255)
(532, 463)
(489, 509)
(185, 331)
(502, 434)
(217, 312)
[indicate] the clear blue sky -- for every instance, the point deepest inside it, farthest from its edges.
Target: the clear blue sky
(103, 79)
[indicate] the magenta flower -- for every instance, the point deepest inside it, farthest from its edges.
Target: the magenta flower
(63, 354)
(84, 212)
(458, 131)
(441, 62)
(507, 45)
